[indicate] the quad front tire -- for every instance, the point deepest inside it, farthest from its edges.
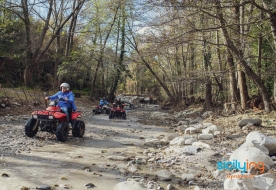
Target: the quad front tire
(111, 115)
(107, 111)
(78, 129)
(31, 127)
(62, 131)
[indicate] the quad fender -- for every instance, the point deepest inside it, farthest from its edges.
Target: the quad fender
(75, 115)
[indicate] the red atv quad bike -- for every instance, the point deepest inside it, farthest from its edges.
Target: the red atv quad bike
(117, 111)
(53, 120)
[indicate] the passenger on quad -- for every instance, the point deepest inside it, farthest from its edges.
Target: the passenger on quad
(103, 102)
(66, 100)
(119, 102)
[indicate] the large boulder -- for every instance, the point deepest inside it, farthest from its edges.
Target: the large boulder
(264, 140)
(250, 155)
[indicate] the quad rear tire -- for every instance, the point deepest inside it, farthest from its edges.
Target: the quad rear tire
(78, 129)
(31, 127)
(62, 131)
(124, 115)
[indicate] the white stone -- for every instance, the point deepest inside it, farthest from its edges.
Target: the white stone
(205, 136)
(133, 185)
(201, 144)
(164, 175)
(191, 130)
(188, 177)
(190, 140)
(117, 158)
(180, 140)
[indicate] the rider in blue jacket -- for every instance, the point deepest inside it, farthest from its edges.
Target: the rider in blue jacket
(66, 100)
(103, 102)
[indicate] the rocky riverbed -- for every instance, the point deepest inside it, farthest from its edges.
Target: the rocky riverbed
(151, 149)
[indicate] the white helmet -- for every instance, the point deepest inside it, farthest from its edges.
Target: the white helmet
(66, 85)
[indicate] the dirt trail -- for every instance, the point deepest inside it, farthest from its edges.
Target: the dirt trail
(79, 160)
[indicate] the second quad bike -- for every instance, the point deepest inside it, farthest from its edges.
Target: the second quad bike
(101, 110)
(117, 111)
(53, 120)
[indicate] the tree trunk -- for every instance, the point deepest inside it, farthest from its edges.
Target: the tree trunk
(234, 94)
(272, 18)
(243, 63)
(29, 54)
(103, 46)
(208, 83)
(239, 16)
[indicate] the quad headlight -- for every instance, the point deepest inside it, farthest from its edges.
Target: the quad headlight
(51, 117)
(34, 116)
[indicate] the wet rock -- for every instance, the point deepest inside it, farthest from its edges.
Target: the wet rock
(89, 185)
(43, 187)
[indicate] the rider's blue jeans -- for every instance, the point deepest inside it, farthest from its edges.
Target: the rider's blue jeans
(66, 111)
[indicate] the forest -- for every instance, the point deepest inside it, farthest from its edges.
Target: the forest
(182, 51)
